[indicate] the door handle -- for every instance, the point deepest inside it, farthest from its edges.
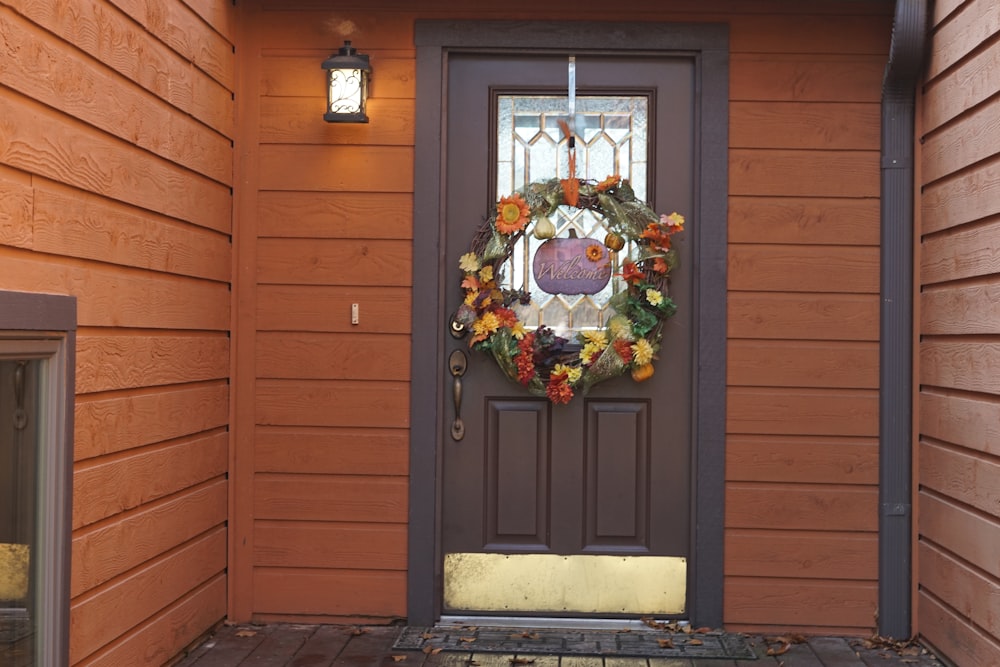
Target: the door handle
(457, 363)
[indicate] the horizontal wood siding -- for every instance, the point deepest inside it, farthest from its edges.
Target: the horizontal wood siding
(959, 325)
(333, 219)
(116, 169)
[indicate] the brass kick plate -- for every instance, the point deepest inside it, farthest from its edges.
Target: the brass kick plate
(553, 583)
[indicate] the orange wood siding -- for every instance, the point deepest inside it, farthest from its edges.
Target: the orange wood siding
(116, 169)
(331, 221)
(959, 353)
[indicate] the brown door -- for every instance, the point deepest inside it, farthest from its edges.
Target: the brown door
(581, 509)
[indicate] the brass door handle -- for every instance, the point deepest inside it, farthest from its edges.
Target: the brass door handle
(457, 363)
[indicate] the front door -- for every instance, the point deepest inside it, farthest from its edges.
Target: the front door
(578, 509)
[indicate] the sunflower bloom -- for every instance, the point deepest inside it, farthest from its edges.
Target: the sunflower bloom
(595, 253)
(642, 352)
(469, 262)
(654, 297)
(513, 214)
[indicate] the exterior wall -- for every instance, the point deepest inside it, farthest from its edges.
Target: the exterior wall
(326, 221)
(959, 426)
(115, 176)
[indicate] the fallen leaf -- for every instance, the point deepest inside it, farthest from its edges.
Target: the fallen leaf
(358, 631)
(428, 635)
(665, 643)
(470, 628)
(246, 633)
(522, 661)
(398, 658)
(781, 650)
(695, 642)
(703, 630)
(467, 640)
(432, 650)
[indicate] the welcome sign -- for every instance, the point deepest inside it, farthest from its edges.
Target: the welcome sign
(571, 266)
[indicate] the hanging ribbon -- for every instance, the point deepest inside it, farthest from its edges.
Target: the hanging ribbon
(570, 185)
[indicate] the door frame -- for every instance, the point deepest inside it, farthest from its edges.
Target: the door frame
(708, 45)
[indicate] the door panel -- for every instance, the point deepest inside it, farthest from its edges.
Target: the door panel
(608, 474)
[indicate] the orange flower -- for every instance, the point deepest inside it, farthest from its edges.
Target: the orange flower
(513, 214)
(608, 183)
(558, 389)
(595, 253)
(631, 273)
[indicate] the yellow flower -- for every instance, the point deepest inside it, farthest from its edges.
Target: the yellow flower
(654, 297)
(486, 274)
(590, 352)
(642, 352)
(518, 330)
(596, 337)
(674, 220)
(469, 262)
(471, 296)
(620, 327)
(573, 373)
(513, 214)
(486, 324)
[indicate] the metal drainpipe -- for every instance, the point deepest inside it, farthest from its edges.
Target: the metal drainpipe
(902, 74)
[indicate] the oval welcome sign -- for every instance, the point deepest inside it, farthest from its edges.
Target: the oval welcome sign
(571, 266)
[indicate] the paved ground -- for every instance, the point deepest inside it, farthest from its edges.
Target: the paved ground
(288, 645)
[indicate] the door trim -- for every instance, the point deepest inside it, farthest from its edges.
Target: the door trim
(708, 44)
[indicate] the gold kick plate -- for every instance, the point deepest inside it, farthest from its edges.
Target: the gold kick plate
(551, 583)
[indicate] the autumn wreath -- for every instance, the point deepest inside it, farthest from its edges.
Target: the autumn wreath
(548, 364)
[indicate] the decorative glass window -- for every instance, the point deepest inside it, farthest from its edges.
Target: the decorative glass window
(611, 137)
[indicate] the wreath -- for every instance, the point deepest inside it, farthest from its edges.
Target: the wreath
(545, 363)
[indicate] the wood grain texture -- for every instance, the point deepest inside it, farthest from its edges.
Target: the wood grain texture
(107, 100)
(109, 550)
(291, 75)
(961, 419)
(162, 637)
(804, 173)
(816, 459)
(371, 168)
(951, 634)
(781, 363)
(294, 120)
(803, 316)
(968, 84)
(331, 592)
(819, 78)
(801, 554)
(352, 215)
(974, 137)
(851, 412)
(967, 252)
(801, 268)
(122, 421)
(804, 125)
(801, 507)
(970, 535)
(333, 356)
(327, 308)
(114, 610)
(109, 487)
(804, 220)
(109, 362)
(310, 544)
(333, 403)
(106, 36)
(796, 603)
(960, 309)
(971, 365)
(969, 196)
(344, 451)
(961, 475)
(367, 499)
(90, 227)
(334, 262)
(977, 22)
(975, 596)
(15, 214)
(110, 297)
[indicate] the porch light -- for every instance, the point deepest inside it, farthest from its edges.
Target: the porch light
(347, 75)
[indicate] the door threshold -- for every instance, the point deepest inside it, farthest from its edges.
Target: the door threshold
(555, 622)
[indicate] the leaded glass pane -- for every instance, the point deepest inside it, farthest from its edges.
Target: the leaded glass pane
(611, 138)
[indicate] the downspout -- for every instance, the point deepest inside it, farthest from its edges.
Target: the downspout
(902, 74)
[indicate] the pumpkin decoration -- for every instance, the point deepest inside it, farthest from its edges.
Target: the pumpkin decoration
(545, 363)
(571, 266)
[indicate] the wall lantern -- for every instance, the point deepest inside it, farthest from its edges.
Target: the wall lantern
(347, 75)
